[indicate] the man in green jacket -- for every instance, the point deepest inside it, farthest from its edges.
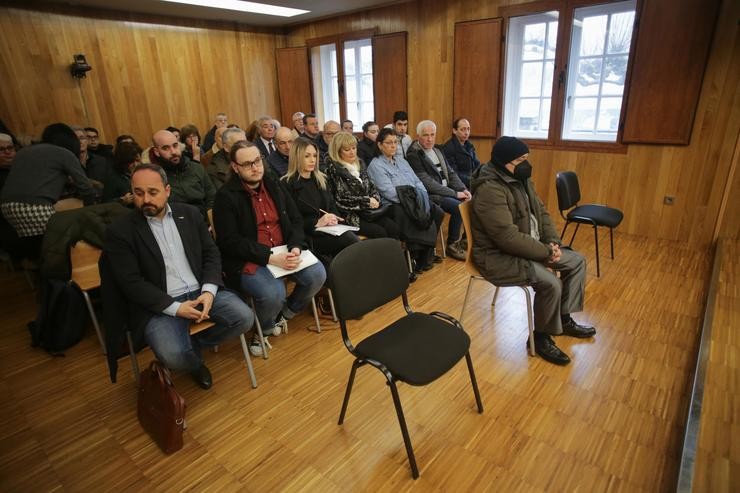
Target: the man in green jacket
(188, 181)
(515, 242)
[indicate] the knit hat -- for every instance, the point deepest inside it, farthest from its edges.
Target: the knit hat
(507, 149)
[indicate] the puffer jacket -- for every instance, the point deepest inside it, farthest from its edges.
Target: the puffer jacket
(503, 248)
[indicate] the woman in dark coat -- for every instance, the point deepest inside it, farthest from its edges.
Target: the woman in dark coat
(117, 187)
(357, 199)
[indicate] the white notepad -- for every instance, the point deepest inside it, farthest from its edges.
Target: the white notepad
(307, 260)
(337, 229)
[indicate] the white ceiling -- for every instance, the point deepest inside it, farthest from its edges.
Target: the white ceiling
(319, 9)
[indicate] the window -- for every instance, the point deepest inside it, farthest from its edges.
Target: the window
(343, 87)
(599, 50)
(558, 95)
(530, 62)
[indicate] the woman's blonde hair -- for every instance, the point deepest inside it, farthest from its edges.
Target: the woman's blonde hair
(342, 140)
(295, 161)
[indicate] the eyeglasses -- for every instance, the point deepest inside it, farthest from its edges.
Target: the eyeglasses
(257, 163)
(7, 148)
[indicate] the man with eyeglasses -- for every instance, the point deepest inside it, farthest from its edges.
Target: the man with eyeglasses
(95, 147)
(297, 119)
(252, 214)
(331, 128)
(187, 179)
(279, 160)
(7, 153)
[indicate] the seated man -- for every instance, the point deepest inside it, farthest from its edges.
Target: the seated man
(297, 119)
(310, 126)
(218, 146)
(278, 160)
(219, 121)
(514, 242)
(166, 265)
(331, 128)
(95, 147)
(188, 180)
(266, 130)
(348, 126)
(219, 169)
(252, 214)
(444, 187)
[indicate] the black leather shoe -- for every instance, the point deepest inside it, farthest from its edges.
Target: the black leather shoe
(202, 376)
(413, 277)
(437, 259)
(546, 348)
(574, 329)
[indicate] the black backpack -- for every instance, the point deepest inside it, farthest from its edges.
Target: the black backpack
(60, 323)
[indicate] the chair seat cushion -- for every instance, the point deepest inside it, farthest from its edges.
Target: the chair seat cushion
(603, 215)
(417, 349)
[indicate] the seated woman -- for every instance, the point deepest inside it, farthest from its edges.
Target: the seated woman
(367, 149)
(117, 185)
(190, 136)
(308, 187)
(354, 193)
(418, 217)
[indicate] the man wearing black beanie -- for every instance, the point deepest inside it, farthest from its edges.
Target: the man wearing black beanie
(515, 242)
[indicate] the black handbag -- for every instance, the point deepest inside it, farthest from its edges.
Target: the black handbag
(375, 214)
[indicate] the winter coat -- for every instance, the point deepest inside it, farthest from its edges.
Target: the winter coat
(503, 248)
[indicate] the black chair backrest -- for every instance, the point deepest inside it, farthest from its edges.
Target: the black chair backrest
(569, 193)
(367, 275)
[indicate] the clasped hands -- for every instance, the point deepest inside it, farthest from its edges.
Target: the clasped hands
(189, 308)
(286, 260)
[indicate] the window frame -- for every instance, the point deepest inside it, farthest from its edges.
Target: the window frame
(566, 10)
(338, 40)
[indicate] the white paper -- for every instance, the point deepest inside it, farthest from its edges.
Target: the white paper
(307, 260)
(337, 230)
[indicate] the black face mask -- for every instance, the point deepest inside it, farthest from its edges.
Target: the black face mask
(523, 170)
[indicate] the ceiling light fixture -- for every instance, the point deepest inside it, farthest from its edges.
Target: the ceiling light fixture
(253, 7)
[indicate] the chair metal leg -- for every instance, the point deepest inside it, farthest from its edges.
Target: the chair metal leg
(611, 240)
(250, 368)
(132, 355)
(530, 319)
(259, 329)
(465, 300)
(495, 295)
(94, 320)
(409, 261)
(442, 240)
(404, 429)
(473, 381)
(355, 365)
(333, 310)
(574, 235)
(315, 315)
(562, 235)
(596, 240)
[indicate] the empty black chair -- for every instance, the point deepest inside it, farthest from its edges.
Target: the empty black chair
(569, 194)
(416, 349)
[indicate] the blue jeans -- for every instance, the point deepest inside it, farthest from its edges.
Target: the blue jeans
(269, 293)
(169, 337)
(449, 205)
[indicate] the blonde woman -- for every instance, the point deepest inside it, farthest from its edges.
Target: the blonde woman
(309, 188)
(357, 199)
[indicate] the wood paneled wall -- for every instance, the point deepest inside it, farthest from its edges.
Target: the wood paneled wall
(636, 181)
(148, 72)
(153, 72)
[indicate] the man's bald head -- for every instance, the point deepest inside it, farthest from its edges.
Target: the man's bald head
(284, 140)
(166, 148)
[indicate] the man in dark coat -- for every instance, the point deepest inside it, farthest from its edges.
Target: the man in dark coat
(514, 241)
(168, 268)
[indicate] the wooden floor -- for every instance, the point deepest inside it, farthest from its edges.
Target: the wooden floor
(611, 420)
(717, 467)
